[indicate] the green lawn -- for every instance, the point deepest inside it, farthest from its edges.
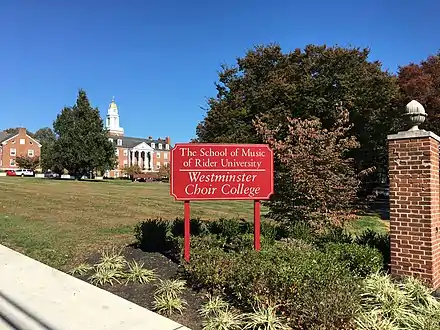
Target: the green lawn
(61, 222)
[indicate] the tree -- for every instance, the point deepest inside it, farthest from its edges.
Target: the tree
(164, 172)
(45, 135)
(30, 163)
(82, 144)
(314, 177)
(421, 82)
(309, 83)
(132, 170)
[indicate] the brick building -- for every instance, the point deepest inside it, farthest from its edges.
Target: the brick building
(150, 154)
(17, 144)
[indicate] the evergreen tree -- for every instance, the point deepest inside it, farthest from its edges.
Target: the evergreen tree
(82, 143)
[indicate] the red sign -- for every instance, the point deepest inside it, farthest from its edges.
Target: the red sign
(221, 171)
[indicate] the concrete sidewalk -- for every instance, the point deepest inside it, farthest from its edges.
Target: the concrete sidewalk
(36, 296)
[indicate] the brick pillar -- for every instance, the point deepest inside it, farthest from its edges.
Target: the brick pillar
(414, 205)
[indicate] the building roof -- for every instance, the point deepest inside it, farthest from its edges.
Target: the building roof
(130, 142)
(4, 136)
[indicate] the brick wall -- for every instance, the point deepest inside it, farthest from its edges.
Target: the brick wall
(414, 205)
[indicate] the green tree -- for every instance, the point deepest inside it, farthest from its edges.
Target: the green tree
(30, 163)
(82, 144)
(309, 83)
(45, 135)
(421, 82)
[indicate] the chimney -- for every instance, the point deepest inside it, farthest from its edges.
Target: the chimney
(22, 131)
(167, 140)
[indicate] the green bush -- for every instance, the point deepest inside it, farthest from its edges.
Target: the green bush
(361, 260)
(376, 240)
(312, 289)
(197, 227)
(154, 235)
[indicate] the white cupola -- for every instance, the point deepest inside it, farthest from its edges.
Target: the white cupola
(112, 119)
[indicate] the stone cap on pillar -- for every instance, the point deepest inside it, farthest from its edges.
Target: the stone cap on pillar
(414, 135)
(415, 114)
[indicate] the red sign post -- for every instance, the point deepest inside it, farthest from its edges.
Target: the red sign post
(201, 171)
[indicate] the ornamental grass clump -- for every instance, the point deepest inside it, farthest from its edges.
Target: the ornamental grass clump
(167, 298)
(404, 305)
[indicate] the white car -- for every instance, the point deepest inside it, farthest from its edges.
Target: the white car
(24, 172)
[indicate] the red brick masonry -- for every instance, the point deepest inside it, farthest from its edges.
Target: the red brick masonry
(414, 205)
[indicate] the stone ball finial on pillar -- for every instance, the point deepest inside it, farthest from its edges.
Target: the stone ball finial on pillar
(416, 114)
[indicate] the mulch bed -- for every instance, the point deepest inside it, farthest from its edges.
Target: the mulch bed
(142, 294)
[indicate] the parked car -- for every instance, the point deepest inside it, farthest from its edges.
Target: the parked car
(24, 172)
(51, 175)
(11, 173)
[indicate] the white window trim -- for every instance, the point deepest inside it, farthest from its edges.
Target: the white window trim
(160, 145)
(167, 146)
(165, 155)
(31, 153)
(157, 154)
(119, 142)
(12, 152)
(153, 145)
(22, 141)
(12, 162)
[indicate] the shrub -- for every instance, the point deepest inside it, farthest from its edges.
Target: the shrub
(197, 227)
(333, 234)
(154, 235)
(376, 240)
(310, 288)
(361, 260)
(229, 228)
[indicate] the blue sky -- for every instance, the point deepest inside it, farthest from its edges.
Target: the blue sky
(160, 58)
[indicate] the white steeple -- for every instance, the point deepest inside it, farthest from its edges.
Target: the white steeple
(112, 119)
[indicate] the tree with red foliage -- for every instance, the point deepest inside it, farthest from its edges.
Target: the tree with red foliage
(421, 82)
(315, 179)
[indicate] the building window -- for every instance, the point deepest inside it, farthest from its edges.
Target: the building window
(165, 155)
(160, 145)
(22, 141)
(31, 153)
(125, 152)
(13, 141)
(167, 146)
(12, 152)
(165, 164)
(117, 152)
(116, 174)
(30, 142)
(153, 145)
(125, 162)
(158, 165)
(12, 162)
(157, 154)
(119, 142)
(110, 139)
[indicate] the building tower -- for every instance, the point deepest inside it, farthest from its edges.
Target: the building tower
(112, 120)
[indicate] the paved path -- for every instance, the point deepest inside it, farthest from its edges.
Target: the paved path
(36, 296)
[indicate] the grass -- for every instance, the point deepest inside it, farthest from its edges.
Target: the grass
(368, 221)
(61, 222)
